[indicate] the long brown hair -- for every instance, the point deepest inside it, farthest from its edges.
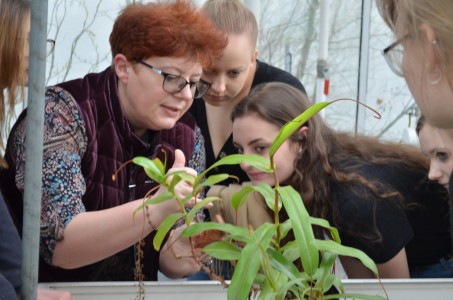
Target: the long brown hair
(323, 150)
(13, 40)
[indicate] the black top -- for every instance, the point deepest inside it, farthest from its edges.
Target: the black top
(264, 73)
(422, 226)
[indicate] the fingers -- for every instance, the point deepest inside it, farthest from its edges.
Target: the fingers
(180, 159)
(192, 202)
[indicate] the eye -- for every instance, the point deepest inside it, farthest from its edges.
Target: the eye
(260, 149)
(172, 78)
(234, 73)
(442, 156)
(240, 150)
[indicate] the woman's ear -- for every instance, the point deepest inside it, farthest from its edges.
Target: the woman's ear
(430, 46)
(255, 55)
(121, 65)
(304, 132)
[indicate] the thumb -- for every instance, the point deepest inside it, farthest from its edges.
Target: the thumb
(180, 159)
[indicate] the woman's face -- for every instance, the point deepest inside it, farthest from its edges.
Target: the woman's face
(254, 135)
(229, 75)
(434, 97)
(146, 105)
(437, 145)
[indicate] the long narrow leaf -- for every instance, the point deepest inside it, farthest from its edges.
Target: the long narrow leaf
(324, 282)
(153, 168)
(295, 124)
(324, 223)
(303, 231)
(257, 161)
(214, 179)
(164, 228)
(249, 263)
(157, 199)
(200, 227)
(199, 205)
(223, 250)
(282, 264)
(334, 247)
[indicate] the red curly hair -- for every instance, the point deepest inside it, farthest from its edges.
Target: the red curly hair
(167, 28)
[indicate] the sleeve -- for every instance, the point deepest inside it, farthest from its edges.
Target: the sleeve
(10, 254)
(63, 184)
(379, 227)
(198, 159)
(198, 163)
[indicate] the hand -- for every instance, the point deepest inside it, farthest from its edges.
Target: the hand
(184, 187)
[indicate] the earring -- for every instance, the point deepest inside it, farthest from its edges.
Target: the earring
(435, 76)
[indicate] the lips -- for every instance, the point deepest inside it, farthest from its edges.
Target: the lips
(172, 111)
(215, 98)
(256, 176)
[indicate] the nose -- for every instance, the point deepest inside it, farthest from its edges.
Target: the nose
(244, 166)
(186, 93)
(434, 172)
(219, 84)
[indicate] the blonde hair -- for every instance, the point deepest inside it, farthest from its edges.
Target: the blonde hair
(408, 15)
(13, 15)
(232, 17)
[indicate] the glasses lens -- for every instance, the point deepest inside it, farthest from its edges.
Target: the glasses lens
(394, 58)
(202, 88)
(174, 84)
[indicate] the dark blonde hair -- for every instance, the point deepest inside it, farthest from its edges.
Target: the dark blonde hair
(319, 164)
(166, 28)
(232, 17)
(404, 17)
(13, 40)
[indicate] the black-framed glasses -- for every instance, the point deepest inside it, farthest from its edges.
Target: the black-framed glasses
(50, 47)
(393, 55)
(174, 84)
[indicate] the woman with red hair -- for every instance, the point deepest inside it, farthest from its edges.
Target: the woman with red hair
(93, 125)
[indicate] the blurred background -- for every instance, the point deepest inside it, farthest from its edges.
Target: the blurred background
(332, 46)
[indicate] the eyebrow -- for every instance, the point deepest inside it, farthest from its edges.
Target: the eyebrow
(252, 141)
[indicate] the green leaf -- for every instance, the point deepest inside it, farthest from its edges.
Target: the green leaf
(294, 125)
(164, 228)
(214, 179)
(285, 227)
(200, 227)
(324, 223)
(291, 251)
(282, 264)
(324, 279)
(153, 168)
(249, 262)
(238, 199)
(331, 246)
(154, 200)
(200, 205)
(254, 160)
(302, 229)
(223, 250)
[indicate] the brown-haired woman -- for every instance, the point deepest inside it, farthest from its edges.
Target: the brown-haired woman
(364, 187)
(95, 124)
